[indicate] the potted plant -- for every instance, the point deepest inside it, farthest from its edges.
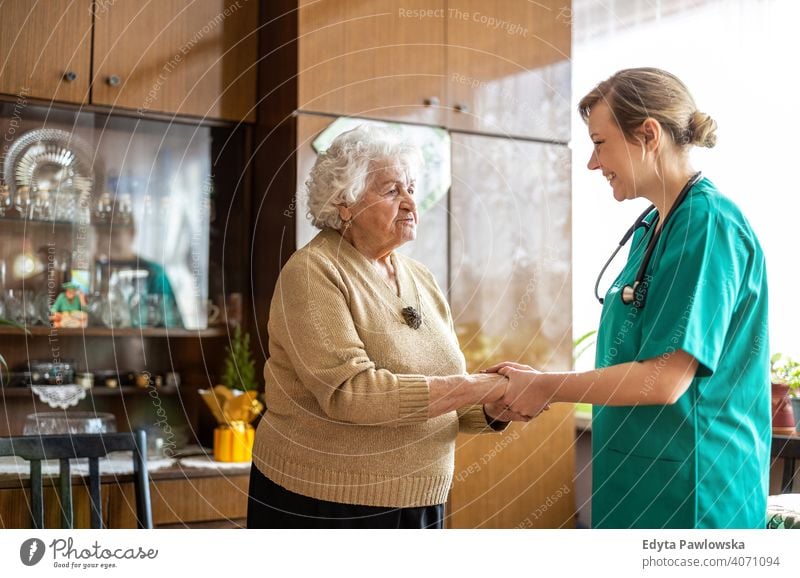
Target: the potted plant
(583, 411)
(235, 404)
(240, 369)
(785, 376)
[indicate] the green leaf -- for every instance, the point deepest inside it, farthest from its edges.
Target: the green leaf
(577, 350)
(784, 369)
(583, 338)
(240, 370)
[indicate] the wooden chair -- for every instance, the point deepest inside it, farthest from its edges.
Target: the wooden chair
(71, 446)
(787, 448)
(783, 510)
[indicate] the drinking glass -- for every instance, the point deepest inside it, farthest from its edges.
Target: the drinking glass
(99, 310)
(5, 200)
(15, 311)
(155, 317)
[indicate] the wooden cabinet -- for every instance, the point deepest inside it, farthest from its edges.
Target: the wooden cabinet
(195, 58)
(508, 67)
(180, 497)
(494, 67)
(157, 177)
(370, 59)
(506, 229)
(46, 49)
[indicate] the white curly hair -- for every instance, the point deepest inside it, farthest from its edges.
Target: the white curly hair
(341, 174)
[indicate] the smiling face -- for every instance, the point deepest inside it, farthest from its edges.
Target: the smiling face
(625, 164)
(386, 215)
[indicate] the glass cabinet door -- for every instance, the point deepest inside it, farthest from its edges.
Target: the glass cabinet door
(118, 207)
(510, 239)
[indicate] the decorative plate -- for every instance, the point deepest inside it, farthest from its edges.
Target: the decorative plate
(43, 159)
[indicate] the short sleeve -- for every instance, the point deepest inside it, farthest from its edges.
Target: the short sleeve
(693, 286)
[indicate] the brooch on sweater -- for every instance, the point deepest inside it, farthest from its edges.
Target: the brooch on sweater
(412, 317)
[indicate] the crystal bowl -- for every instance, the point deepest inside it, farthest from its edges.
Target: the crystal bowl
(79, 422)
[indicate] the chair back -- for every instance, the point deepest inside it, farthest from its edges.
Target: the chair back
(72, 446)
(788, 449)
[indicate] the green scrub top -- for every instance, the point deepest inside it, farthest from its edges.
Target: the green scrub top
(702, 462)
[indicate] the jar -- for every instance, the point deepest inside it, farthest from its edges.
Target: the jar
(85, 380)
(142, 379)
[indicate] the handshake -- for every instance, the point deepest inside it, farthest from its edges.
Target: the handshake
(522, 395)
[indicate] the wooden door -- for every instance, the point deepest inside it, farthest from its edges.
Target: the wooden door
(194, 58)
(372, 58)
(45, 49)
(510, 293)
(508, 67)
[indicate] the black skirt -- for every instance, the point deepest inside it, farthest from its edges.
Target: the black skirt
(271, 506)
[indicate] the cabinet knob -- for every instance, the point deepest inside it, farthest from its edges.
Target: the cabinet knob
(70, 76)
(113, 80)
(431, 101)
(461, 107)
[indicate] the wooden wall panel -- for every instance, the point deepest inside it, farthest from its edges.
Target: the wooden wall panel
(521, 478)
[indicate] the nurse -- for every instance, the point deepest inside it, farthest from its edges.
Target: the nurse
(681, 429)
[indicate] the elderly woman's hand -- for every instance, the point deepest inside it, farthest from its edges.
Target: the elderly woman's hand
(456, 391)
(500, 412)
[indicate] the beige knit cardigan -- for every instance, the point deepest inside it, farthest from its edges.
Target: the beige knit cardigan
(345, 382)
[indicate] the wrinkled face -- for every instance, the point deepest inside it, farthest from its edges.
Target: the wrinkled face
(620, 160)
(70, 293)
(386, 216)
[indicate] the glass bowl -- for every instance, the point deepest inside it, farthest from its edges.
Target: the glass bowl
(78, 422)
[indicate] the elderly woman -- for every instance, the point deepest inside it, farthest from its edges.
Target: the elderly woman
(366, 386)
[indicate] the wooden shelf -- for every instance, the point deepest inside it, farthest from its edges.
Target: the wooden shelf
(37, 222)
(166, 332)
(97, 390)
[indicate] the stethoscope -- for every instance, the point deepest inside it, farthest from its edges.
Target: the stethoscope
(636, 293)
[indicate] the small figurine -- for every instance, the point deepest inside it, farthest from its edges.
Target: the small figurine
(68, 309)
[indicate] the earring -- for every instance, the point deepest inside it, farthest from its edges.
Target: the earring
(346, 224)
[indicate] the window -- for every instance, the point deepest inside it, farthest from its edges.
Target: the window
(737, 58)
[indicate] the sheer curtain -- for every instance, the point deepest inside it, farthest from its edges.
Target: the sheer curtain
(738, 57)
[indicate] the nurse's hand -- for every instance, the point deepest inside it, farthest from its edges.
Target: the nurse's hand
(523, 396)
(498, 366)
